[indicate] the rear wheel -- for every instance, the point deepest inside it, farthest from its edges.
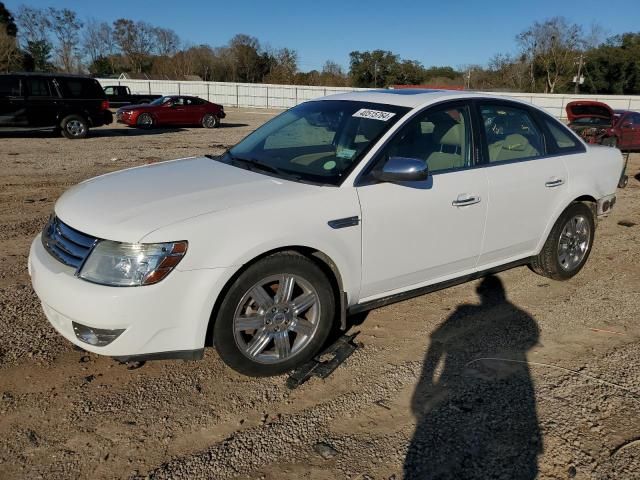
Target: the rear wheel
(275, 316)
(210, 121)
(569, 244)
(74, 127)
(145, 120)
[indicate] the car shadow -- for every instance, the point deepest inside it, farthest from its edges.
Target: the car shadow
(474, 404)
(223, 124)
(132, 131)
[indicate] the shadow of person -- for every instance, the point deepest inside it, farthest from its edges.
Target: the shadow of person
(476, 415)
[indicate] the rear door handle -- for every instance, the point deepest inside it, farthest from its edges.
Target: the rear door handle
(465, 200)
(554, 182)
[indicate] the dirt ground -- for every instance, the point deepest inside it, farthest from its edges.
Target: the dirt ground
(528, 378)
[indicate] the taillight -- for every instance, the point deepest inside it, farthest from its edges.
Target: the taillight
(105, 105)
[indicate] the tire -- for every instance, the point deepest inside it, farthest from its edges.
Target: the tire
(569, 244)
(145, 120)
(610, 142)
(624, 180)
(257, 333)
(210, 121)
(74, 127)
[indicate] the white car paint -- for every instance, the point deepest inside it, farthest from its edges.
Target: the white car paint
(408, 237)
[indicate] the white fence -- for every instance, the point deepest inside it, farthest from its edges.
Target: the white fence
(260, 95)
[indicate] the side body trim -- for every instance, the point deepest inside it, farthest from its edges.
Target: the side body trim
(398, 297)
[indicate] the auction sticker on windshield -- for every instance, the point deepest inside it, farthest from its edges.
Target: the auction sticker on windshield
(374, 114)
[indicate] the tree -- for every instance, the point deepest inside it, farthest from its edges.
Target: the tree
(35, 26)
(614, 67)
(97, 41)
(372, 69)
(135, 41)
(552, 46)
(6, 19)
(332, 75)
(166, 40)
(283, 65)
(248, 63)
(10, 55)
(66, 28)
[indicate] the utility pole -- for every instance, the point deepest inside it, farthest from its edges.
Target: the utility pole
(576, 87)
(375, 74)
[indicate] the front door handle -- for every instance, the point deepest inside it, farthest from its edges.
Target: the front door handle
(465, 200)
(554, 182)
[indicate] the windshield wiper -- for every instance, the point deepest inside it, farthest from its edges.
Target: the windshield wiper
(254, 165)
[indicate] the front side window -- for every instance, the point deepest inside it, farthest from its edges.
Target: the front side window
(511, 133)
(161, 101)
(441, 138)
(110, 91)
(317, 141)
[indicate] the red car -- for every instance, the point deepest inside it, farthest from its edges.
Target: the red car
(596, 122)
(172, 110)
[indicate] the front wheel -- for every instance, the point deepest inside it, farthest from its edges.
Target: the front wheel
(210, 121)
(145, 120)
(74, 127)
(569, 244)
(275, 316)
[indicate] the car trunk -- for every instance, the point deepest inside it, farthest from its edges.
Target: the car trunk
(590, 119)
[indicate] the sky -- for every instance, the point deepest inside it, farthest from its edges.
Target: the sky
(445, 32)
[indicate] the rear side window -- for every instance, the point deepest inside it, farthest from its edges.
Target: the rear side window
(563, 139)
(38, 87)
(511, 133)
(80, 88)
(9, 86)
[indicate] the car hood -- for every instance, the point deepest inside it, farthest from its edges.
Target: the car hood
(127, 205)
(589, 109)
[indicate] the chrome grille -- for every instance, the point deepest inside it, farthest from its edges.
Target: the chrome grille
(66, 244)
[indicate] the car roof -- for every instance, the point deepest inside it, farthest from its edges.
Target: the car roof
(48, 74)
(414, 97)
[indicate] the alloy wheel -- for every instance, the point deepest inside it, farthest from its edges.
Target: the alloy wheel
(75, 127)
(276, 318)
(574, 242)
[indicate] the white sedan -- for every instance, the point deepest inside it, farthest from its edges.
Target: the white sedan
(336, 206)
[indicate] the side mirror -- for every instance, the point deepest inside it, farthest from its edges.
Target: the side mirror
(402, 169)
(627, 125)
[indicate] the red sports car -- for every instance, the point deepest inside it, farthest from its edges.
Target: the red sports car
(172, 110)
(596, 122)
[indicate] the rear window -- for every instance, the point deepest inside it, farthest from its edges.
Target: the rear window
(80, 88)
(9, 86)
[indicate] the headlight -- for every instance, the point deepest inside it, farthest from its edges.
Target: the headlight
(131, 264)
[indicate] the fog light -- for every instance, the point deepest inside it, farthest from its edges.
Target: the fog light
(605, 206)
(98, 337)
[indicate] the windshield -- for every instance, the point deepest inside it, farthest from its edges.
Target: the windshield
(160, 101)
(318, 141)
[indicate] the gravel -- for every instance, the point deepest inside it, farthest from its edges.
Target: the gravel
(448, 385)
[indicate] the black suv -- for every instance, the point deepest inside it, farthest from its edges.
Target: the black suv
(70, 104)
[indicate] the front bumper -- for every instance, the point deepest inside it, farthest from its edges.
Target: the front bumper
(159, 321)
